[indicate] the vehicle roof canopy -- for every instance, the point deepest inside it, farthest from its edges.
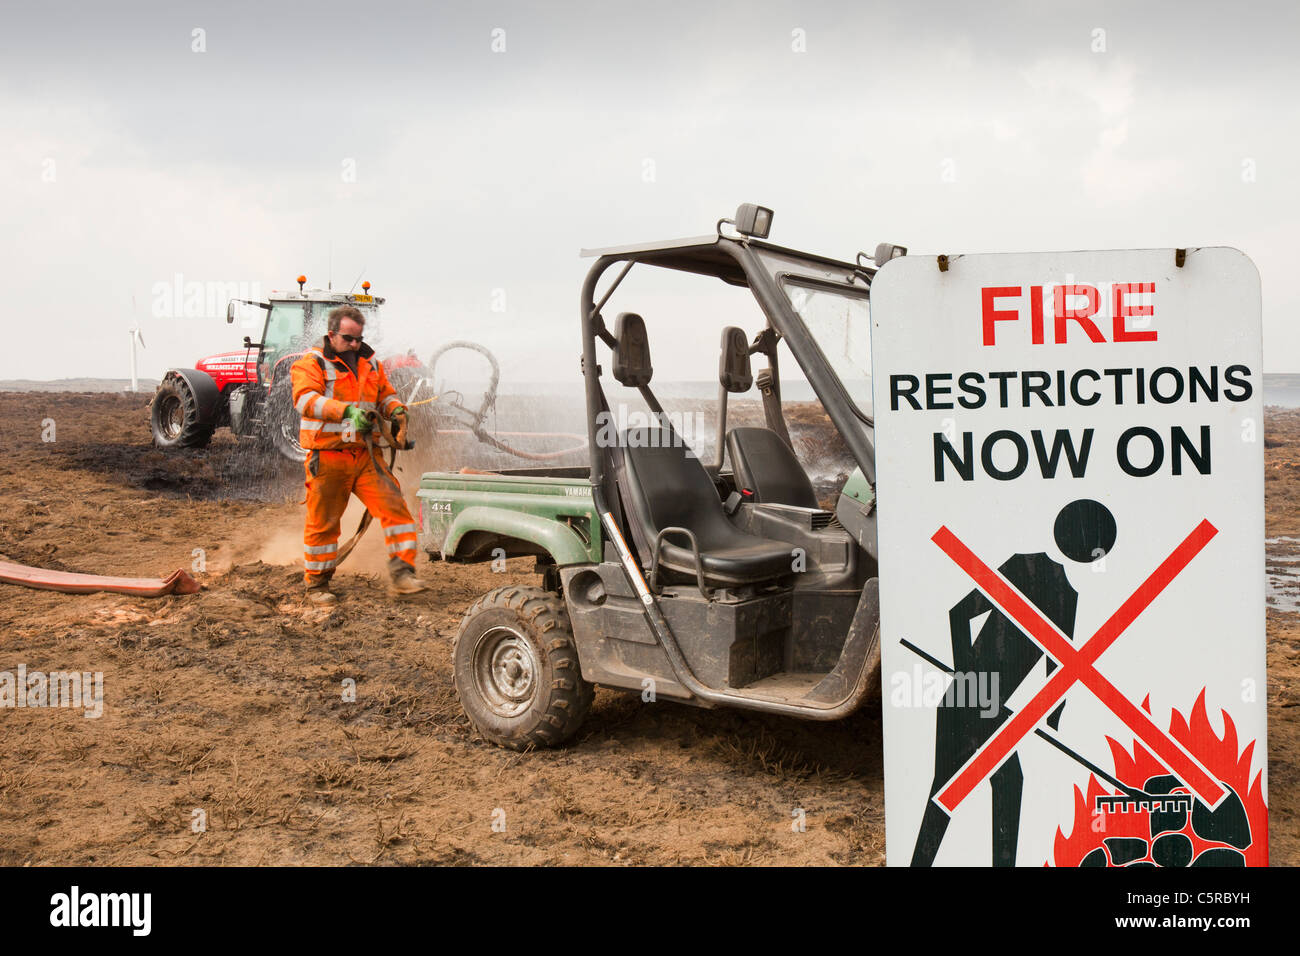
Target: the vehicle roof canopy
(706, 255)
(324, 295)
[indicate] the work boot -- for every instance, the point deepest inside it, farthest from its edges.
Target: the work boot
(404, 581)
(322, 597)
(318, 590)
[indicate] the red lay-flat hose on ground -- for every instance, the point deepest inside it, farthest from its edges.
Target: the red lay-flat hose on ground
(178, 582)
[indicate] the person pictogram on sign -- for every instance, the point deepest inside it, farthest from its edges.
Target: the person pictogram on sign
(1084, 531)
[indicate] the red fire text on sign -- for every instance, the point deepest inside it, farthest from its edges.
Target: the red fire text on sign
(1077, 304)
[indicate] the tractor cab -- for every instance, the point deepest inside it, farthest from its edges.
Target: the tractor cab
(292, 322)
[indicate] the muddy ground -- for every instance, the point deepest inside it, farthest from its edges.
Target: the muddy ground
(227, 706)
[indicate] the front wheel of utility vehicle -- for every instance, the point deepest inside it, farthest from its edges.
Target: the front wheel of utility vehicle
(516, 671)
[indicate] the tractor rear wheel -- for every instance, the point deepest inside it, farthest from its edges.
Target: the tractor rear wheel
(284, 423)
(174, 416)
(515, 668)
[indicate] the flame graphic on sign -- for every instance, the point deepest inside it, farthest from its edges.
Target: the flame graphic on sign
(1236, 833)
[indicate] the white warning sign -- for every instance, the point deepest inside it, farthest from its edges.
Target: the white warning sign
(1071, 530)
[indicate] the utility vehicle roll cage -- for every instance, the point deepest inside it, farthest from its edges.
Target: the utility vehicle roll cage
(766, 270)
(747, 262)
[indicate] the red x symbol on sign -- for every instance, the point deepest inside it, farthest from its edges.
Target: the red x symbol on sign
(1076, 665)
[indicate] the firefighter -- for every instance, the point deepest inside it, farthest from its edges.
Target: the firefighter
(338, 388)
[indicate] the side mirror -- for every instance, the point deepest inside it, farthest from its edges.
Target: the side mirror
(734, 372)
(230, 312)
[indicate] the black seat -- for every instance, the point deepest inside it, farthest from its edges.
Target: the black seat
(765, 465)
(665, 486)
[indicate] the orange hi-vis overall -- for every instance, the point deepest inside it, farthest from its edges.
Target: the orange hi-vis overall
(339, 462)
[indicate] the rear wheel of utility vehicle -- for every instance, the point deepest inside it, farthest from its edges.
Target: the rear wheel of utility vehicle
(174, 416)
(516, 672)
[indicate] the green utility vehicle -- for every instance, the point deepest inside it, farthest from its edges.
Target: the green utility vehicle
(714, 583)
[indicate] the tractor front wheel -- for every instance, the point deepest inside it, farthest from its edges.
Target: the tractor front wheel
(174, 416)
(516, 670)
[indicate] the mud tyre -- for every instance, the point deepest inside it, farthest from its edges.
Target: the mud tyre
(174, 416)
(516, 671)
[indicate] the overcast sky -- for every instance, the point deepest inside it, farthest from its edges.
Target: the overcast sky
(459, 176)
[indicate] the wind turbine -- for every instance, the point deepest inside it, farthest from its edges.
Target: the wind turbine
(136, 336)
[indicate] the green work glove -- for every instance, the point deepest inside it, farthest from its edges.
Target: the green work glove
(398, 412)
(358, 418)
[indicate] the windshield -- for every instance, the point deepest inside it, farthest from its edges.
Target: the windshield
(283, 331)
(840, 322)
(293, 327)
(320, 313)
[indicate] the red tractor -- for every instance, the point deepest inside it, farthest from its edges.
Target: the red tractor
(249, 390)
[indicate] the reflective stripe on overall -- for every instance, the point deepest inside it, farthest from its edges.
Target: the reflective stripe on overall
(333, 476)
